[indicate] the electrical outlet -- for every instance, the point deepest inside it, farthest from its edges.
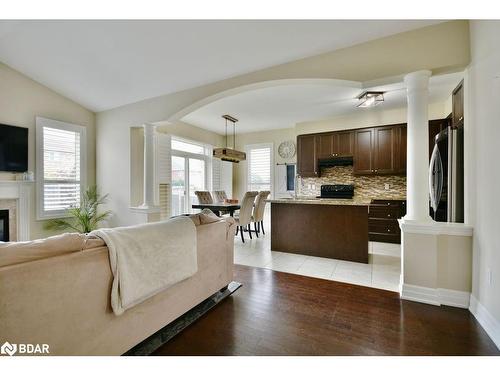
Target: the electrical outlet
(488, 275)
(386, 186)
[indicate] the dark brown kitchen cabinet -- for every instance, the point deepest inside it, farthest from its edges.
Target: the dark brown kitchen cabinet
(334, 144)
(401, 149)
(324, 145)
(378, 150)
(363, 151)
(383, 218)
(458, 105)
(307, 157)
(343, 143)
(384, 150)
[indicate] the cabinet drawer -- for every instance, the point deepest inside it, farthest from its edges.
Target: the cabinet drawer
(389, 203)
(383, 226)
(384, 212)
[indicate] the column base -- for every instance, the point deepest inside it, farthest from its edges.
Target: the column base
(434, 227)
(144, 209)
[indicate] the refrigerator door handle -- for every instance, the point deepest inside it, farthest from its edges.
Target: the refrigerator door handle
(435, 178)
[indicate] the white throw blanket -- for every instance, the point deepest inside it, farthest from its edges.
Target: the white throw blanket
(148, 258)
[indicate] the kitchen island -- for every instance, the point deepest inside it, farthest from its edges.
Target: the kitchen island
(329, 228)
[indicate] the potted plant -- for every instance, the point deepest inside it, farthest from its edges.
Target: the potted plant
(86, 217)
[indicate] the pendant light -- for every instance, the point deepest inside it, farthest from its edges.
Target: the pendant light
(226, 153)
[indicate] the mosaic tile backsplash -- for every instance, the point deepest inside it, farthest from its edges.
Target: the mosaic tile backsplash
(364, 186)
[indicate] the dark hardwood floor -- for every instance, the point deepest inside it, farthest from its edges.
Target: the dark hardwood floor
(276, 313)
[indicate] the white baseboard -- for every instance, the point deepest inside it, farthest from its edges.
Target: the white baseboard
(455, 298)
(420, 294)
(487, 321)
(436, 297)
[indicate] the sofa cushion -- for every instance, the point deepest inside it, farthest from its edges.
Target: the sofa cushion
(26, 251)
(204, 217)
(207, 216)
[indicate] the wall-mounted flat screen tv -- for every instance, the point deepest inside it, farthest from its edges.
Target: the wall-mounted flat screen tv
(13, 148)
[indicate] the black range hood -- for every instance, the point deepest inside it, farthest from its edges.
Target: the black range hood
(335, 161)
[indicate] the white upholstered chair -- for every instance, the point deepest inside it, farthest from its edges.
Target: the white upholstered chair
(245, 216)
(204, 197)
(258, 212)
(219, 195)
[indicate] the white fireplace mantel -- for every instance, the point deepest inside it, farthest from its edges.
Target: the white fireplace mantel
(21, 192)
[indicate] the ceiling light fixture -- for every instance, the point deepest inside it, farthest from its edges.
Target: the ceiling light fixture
(370, 98)
(226, 153)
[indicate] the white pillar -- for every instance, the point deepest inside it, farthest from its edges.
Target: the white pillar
(149, 167)
(417, 167)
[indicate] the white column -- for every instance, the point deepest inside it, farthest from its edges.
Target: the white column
(149, 167)
(417, 167)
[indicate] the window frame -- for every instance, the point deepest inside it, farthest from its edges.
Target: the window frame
(206, 157)
(248, 149)
(42, 122)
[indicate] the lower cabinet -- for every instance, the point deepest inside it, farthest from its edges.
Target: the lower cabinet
(383, 218)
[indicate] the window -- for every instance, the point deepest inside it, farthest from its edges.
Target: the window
(189, 147)
(191, 165)
(259, 167)
(61, 169)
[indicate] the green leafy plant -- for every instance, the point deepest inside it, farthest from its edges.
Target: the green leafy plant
(85, 218)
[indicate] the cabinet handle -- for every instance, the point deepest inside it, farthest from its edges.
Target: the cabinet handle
(461, 118)
(389, 215)
(388, 230)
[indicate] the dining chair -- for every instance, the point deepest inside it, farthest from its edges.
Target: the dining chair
(258, 212)
(245, 217)
(204, 197)
(220, 195)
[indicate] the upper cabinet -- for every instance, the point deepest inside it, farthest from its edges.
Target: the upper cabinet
(385, 148)
(307, 155)
(324, 145)
(401, 149)
(343, 143)
(363, 151)
(335, 144)
(378, 150)
(457, 116)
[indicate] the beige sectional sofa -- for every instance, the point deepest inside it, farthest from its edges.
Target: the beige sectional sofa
(57, 291)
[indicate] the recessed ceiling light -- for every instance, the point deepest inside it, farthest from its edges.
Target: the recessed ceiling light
(370, 98)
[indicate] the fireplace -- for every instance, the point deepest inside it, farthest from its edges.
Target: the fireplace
(4, 225)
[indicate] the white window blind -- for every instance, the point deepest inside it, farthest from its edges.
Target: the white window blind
(259, 167)
(60, 166)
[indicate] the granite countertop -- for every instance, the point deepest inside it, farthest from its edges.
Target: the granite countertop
(322, 201)
(333, 202)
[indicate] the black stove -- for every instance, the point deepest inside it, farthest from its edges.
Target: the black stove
(337, 191)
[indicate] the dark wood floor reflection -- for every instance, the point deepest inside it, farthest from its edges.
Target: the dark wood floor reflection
(276, 313)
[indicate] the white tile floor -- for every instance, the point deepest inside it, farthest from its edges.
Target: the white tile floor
(382, 272)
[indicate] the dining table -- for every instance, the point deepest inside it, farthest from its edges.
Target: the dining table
(216, 208)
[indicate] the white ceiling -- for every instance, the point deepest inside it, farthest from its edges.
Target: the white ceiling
(105, 64)
(283, 106)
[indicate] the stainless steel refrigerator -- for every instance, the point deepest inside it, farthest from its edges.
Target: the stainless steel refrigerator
(446, 176)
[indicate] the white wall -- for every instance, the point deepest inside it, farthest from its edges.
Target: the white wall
(482, 133)
(274, 137)
(21, 100)
(367, 117)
